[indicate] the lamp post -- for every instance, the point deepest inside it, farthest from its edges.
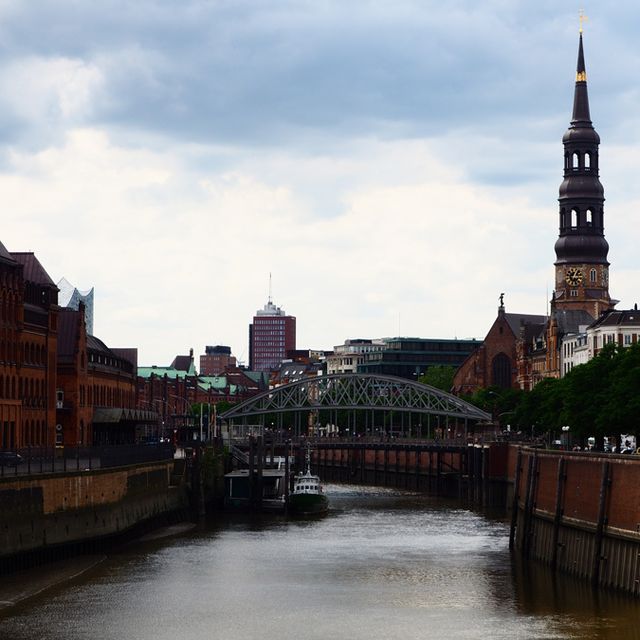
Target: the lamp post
(565, 436)
(161, 418)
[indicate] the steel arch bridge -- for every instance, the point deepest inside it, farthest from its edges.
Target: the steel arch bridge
(356, 392)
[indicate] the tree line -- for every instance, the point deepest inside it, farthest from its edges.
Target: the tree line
(597, 399)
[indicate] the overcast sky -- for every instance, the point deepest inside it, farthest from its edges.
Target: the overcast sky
(395, 165)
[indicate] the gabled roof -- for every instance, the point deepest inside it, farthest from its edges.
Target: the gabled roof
(261, 378)
(617, 318)
(184, 363)
(217, 383)
(5, 256)
(68, 320)
(517, 320)
(33, 270)
(570, 320)
(160, 372)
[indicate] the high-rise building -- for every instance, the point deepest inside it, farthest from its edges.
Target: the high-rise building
(271, 335)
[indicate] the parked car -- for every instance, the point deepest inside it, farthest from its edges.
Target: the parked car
(10, 459)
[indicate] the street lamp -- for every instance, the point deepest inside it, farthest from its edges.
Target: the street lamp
(565, 436)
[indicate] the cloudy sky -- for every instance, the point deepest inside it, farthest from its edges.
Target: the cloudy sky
(393, 164)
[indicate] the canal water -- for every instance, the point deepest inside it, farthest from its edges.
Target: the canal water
(381, 565)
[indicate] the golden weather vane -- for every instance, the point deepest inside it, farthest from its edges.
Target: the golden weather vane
(583, 18)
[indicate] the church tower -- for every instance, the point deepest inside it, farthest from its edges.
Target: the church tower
(582, 269)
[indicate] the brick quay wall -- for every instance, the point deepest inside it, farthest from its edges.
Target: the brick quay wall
(579, 513)
(62, 510)
(475, 472)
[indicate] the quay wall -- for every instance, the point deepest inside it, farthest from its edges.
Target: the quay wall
(473, 472)
(50, 511)
(579, 513)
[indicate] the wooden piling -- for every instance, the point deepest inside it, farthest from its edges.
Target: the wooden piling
(557, 518)
(602, 504)
(259, 475)
(516, 499)
(252, 475)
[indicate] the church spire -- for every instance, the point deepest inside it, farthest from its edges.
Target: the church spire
(581, 116)
(581, 248)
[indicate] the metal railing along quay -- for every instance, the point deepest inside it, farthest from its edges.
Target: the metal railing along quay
(38, 460)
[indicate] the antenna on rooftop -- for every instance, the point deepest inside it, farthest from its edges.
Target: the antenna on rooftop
(270, 296)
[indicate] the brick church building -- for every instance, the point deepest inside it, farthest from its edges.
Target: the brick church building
(519, 349)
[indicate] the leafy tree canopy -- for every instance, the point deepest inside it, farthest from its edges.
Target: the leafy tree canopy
(599, 398)
(438, 376)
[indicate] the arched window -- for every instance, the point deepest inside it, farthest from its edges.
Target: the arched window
(501, 369)
(587, 161)
(576, 160)
(589, 218)
(574, 218)
(593, 275)
(563, 218)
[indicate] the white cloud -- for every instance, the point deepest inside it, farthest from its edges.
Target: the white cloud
(41, 90)
(181, 258)
(393, 165)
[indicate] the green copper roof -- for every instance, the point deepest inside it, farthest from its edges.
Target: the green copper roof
(160, 372)
(212, 382)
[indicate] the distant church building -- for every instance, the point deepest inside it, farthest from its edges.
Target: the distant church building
(520, 349)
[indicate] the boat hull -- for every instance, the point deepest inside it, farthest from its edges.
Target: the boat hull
(308, 503)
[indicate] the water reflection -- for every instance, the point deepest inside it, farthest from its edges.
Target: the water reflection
(576, 609)
(381, 564)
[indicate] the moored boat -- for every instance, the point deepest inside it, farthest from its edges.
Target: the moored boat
(308, 497)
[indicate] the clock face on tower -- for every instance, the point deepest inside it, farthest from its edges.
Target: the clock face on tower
(573, 276)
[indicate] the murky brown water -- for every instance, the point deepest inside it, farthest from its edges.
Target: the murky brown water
(381, 565)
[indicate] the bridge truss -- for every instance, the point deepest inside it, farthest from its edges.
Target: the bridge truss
(356, 392)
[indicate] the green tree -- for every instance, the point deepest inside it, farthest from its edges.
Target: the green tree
(599, 398)
(619, 411)
(586, 389)
(439, 376)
